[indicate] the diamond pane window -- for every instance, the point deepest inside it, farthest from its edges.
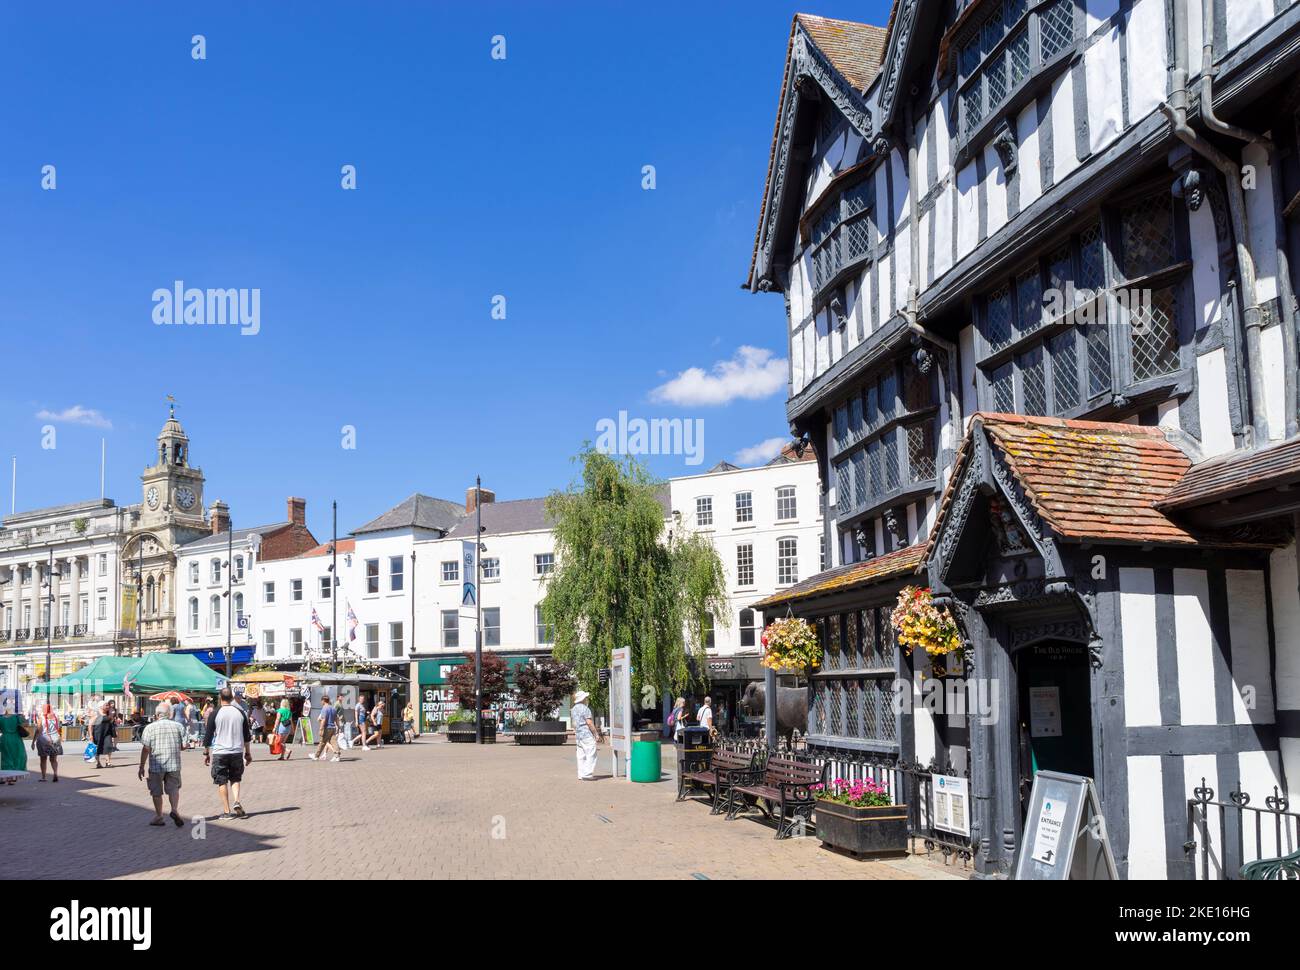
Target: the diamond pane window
(844, 486)
(1147, 236)
(858, 199)
(995, 76)
(860, 477)
(871, 415)
(855, 417)
(1056, 28)
(1098, 340)
(835, 708)
(1065, 371)
(1154, 335)
(830, 120)
(841, 425)
(997, 318)
(891, 460)
(888, 394)
(820, 719)
(875, 468)
(1092, 265)
(857, 238)
(1018, 56)
(1059, 275)
(1015, 9)
(1029, 302)
(920, 451)
(870, 650)
(1033, 381)
(991, 31)
(851, 651)
(972, 101)
(853, 712)
(970, 57)
(1003, 396)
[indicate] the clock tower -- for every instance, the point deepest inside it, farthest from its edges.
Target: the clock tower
(170, 516)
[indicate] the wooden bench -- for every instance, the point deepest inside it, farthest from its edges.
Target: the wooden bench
(787, 785)
(725, 770)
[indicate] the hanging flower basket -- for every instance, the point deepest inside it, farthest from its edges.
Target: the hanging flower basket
(791, 644)
(919, 623)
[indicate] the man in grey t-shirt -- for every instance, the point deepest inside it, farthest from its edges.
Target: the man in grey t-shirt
(228, 748)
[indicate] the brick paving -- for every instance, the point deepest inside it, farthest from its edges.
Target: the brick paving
(428, 810)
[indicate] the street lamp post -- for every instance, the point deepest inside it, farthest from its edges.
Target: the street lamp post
(49, 620)
(139, 597)
(334, 592)
(478, 610)
(230, 591)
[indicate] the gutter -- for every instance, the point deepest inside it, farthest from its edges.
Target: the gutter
(1175, 110)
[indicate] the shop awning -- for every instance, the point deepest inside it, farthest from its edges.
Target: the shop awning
(103, 675)
(216, 657)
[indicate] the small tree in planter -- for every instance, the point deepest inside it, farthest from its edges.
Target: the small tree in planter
(493, 688)
(542, 687)
(860, 818)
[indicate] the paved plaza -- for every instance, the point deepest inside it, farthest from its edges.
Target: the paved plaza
(428, 810)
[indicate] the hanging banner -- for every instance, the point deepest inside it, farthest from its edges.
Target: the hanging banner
(469, 578)
(128, 610)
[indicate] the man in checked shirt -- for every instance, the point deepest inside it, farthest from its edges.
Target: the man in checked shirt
(160, 762)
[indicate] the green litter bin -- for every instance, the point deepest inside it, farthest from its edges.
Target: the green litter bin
(645, 761)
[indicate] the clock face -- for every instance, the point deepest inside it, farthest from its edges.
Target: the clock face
(152, 497)
(185, 497)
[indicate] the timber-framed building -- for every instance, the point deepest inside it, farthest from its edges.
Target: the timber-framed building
(1038, 260)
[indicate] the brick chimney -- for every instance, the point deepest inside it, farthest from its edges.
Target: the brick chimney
(220, 517)
(475, 496)
(298, 511)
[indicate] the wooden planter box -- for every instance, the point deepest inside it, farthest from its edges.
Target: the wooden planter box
(463, 732)
(541, 732)
(865, 833)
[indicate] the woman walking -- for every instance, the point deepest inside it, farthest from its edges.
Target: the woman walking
(677, 720)
(283, 727)
(102, 735)
(13, 756)
(408, 721)
(48, 743)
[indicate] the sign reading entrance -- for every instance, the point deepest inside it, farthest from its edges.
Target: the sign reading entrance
(1065, 832)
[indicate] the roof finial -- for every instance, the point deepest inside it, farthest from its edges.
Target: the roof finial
(172, 402)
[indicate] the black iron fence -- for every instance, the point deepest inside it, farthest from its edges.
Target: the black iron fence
(909, 784)
(1225, 836)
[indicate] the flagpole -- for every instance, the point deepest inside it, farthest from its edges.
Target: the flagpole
(478, 610)
(334, 593)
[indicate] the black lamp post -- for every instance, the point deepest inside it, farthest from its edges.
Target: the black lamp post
(50, 573)
(334, 592)
(230, 599)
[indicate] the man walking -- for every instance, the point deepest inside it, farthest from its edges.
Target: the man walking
(228, 748)
(160, 752)
(363, 725)
(704, 716)
(586, 733)
(328, 728)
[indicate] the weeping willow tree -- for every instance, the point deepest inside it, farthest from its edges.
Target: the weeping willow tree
(619, 581)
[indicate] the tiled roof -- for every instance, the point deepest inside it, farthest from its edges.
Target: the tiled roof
(900, 562)
(856, 50)
(517, 515)
(418, 512)
(345, 545)
(1235, 474)
(793, 451)
(221, 539)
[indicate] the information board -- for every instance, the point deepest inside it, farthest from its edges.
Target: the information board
(1065, 833)
(950, 804)
(620, 709)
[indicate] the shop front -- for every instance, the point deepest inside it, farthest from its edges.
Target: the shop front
(438, 701)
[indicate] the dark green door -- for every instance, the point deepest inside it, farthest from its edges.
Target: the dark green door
(1055, 709)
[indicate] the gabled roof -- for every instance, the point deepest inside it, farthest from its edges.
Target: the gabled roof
(1237, 473)
(900, 562)
(220, 540)
(1094, 481)
(850, 54)
(723, 466)
(856, 50)
(793, 451)
(517, 515)
(344, 545)
(417, 512)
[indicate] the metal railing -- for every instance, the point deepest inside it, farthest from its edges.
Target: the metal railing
(1223, 836)
(908, 783)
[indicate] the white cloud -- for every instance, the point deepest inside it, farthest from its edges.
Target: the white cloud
(753, 373)
(77, 414)
(762, 452)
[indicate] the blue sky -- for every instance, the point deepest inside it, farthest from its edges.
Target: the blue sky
(475, 177)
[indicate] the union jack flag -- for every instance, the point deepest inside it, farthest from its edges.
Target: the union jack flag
(352, 623)
(315, 621)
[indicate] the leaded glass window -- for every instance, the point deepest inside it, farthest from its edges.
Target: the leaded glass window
(852, 697)
(842, 234)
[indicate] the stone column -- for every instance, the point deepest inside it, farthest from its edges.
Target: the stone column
(16, 597)
(74, 565)
(35, 594)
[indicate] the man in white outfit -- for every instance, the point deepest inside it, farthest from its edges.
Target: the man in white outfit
(586, 733)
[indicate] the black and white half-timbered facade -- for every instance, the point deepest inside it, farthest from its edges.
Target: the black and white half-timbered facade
(1039, 262)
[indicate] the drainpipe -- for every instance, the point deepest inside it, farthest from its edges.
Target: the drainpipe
(1175, 109)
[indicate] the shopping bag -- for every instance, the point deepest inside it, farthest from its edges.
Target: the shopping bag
(90, 751)
(277, 744)
(344, 741)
